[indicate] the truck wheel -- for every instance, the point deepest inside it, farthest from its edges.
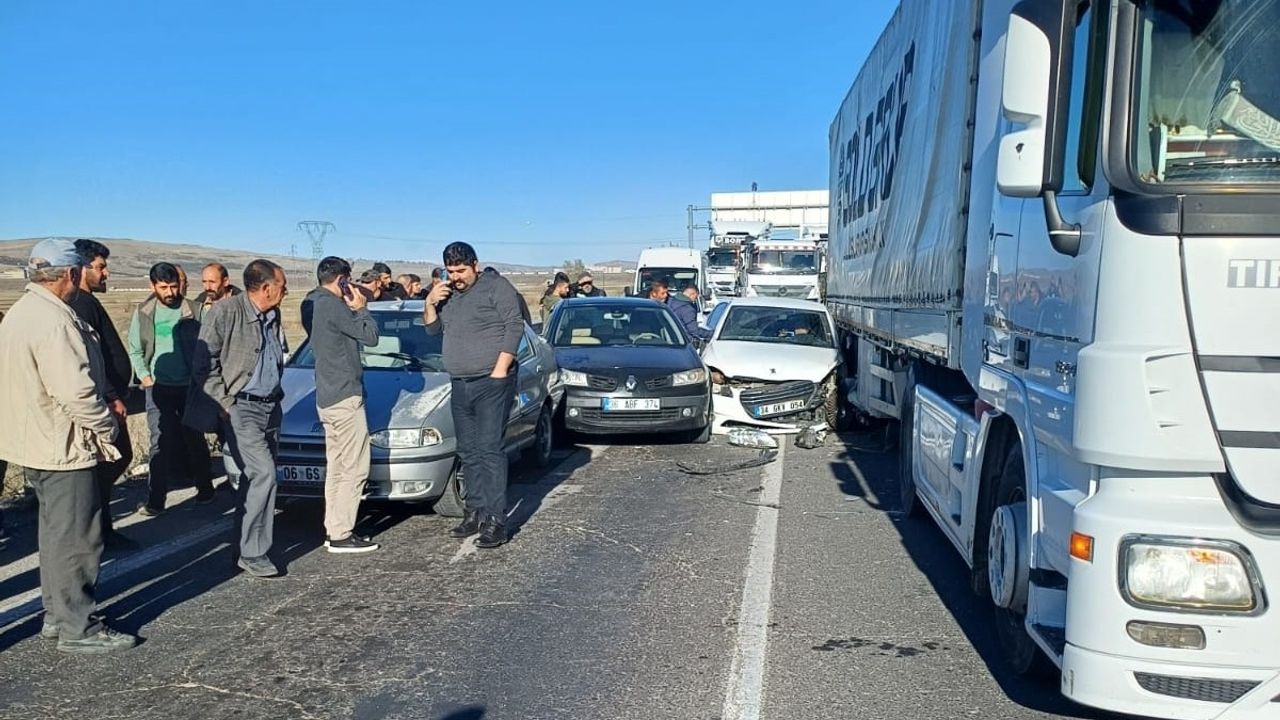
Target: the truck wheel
(450, 504)
(833, 408)
(1008, 569)
(906, 481)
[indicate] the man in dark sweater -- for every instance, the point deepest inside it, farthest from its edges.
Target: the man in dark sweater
(479, 315)
(337, 324)
(116, 358)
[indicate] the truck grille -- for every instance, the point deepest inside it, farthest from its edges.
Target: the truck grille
(1202, 689)
(790, 291)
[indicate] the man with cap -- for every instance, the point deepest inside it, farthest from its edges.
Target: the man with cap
(51, 366)
(587, 287)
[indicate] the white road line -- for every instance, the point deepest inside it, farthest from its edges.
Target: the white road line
(744, 697)
(22, 607)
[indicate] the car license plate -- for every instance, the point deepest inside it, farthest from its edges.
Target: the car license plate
(779, 408)
(300, 473)
(629, 404)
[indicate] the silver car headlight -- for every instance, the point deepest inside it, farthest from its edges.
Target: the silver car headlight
(573, 378)
(695, 376)
(405, 438)
(1190, 575)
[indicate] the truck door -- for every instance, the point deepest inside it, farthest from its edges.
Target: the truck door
(1053, 300)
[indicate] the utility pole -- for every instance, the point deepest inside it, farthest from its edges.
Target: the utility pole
(316, 230)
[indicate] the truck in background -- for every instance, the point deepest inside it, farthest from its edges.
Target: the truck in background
(780, 268)
(724, 257)
(1055, 263)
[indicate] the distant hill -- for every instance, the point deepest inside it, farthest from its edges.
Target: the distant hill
(131, 259)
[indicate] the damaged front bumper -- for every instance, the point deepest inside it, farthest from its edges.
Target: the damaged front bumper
(786, 406)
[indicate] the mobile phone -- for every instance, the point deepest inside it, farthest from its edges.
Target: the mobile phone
(345, 286)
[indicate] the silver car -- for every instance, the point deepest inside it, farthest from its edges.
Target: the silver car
(414, 453)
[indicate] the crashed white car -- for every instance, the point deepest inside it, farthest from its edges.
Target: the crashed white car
(773, 364)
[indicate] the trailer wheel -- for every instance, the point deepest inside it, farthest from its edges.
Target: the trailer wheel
(907, 498)
(1008, 569)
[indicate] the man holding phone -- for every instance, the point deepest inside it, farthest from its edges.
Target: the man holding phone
(479, 315)
(337, 324)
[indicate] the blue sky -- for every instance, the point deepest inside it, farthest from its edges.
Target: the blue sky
(538, 131)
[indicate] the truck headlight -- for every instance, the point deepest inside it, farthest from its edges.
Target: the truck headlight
(573, 377)
(813, 293)
(695, 376)
(404, 438)
(1190, 575)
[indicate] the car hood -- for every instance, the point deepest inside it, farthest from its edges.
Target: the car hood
(769, 361)
(597, 357)
(393, 399)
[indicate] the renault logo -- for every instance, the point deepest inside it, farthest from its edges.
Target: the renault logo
(631, 383)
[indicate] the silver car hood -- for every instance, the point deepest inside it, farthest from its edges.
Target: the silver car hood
(393, 399)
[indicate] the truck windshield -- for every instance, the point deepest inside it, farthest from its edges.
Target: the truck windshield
(721, 258)
(1208, 92)
(784, 262)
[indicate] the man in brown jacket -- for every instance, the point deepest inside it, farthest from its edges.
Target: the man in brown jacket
(52, 368)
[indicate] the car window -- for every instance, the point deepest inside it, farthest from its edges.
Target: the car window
(583, 325)
(526, 348)
(403, 343)
(788, 326)
(716, 313)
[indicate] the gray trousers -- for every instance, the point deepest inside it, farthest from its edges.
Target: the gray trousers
(255, 441)
(70, 540)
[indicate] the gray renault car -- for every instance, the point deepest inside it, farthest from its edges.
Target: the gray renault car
(410, 421)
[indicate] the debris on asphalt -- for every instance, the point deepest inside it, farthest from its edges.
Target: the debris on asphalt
(812, 437)
(752, 438)
(764, 457)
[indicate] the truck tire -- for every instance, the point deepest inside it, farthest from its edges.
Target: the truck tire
(451, 504)
(836, 411)
(1021, 652)
(907, 498)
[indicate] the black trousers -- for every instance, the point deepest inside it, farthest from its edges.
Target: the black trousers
(480, 409)
(70, 540)
(108, 473)
(177, 451)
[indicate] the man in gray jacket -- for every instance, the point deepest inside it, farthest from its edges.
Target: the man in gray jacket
(235, 377)
(337, 324)
(479, 314)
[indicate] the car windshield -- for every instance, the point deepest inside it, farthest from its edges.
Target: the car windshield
(677, 278)
(1208, 107)
(586, 325)
(403, 343)
(785, 262)
(785, 326)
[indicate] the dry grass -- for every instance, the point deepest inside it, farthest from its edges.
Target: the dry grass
(120, 303)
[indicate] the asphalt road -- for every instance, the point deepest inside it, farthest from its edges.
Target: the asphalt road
(621, 596)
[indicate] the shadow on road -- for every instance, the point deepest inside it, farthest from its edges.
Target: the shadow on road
(868, 469)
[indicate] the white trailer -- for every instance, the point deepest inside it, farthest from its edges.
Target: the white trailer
(1055, 259)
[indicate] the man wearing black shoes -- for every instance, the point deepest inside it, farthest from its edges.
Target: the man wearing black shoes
(479, 315)
(337, 324)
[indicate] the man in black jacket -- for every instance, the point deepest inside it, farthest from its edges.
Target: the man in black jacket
(479, 315)
(116, 358)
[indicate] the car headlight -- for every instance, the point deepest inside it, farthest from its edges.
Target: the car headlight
(403, 438)
(1171, 573)
(573, 377)
(689, 377)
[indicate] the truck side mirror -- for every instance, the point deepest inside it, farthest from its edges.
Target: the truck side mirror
(1036, 94)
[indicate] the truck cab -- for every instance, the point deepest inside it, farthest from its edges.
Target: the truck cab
(781, 268)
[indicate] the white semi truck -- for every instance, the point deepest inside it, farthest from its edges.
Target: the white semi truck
(1055, 259)
(728, 239)
(780, 268)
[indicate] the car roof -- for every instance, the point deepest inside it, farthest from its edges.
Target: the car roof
(397, 306)
(789, 303)
(612, 301)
